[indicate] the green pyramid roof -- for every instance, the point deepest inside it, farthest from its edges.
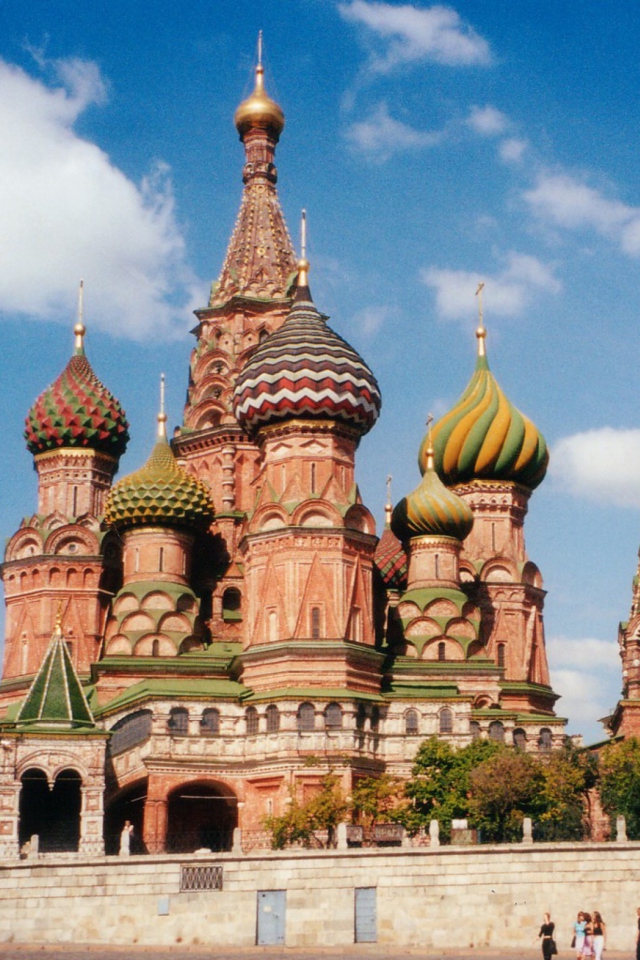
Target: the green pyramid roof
(56, 697)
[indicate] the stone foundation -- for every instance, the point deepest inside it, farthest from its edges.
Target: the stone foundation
(459, 897)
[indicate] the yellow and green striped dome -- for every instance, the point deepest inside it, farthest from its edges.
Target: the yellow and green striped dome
(160, 493)
(485, 437)
(431, 510)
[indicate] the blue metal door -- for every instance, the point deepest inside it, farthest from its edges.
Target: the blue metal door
(365, 918)
(272, 915)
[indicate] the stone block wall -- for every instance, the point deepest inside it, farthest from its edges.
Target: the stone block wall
(462, 897)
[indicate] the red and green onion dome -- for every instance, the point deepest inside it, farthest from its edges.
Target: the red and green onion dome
(431, 510)
(306, 371)
(484, 437)
(159, 494)
(77, 410)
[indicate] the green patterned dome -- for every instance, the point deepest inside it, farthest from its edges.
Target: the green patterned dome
(484, 437)
(431, 510)
(160, 493)
(77, 410)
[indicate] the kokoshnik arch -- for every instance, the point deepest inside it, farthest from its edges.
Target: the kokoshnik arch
(181, 642)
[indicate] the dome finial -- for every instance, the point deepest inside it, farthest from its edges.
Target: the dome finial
(388, 507)
(259, 67)
(162, 417)
(303, 292)
(80, 328)
(259, 110)
(430, 459)
(57, 630)
(481, 332)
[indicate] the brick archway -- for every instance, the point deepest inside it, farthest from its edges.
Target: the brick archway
(201, 814)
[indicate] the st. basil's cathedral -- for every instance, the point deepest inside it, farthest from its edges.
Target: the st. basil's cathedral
(191, 646)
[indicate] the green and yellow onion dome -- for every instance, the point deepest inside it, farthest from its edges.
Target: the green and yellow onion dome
(431, 510)
(259, 110)
(161, 493)
(484, 437)
(77, 410)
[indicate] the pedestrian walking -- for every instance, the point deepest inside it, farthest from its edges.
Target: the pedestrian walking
(599, 935)
(579, 928)
(546, 937)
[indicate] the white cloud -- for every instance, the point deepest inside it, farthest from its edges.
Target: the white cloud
(570, 203)
(409, 34)
(380, 136)
(487, 121)
(512, 150)
(601, 465)
(506, 293)
(586, 673)
(68, 212)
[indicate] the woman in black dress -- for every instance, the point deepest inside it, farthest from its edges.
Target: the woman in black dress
(546, 935)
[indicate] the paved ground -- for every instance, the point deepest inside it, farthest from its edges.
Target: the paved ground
(355, 952)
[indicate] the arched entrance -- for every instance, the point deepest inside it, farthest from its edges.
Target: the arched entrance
(201, 814)
(54, 815)
(128, 804)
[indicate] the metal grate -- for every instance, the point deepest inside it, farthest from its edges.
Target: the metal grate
(201, 876)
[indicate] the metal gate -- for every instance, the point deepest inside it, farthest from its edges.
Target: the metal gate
(365, 915)
(272, 915)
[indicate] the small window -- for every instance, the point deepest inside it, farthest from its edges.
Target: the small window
(519, 739)
(272, 620)
(273, 718)
(501, 648)
(474, 730)
(496, 731)
(546, 740)
(411, 723)
(333, 716)
(210, 723)
(446, 720)
(251, 718)
(306, 717)
(155, 648)
(375, 717)
(178, 721)
(231, 604)
(442, 651)
(315, 623)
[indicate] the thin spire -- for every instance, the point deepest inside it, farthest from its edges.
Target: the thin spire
(80, 328)
(162, 417)
(481, 332)
(57, 630)
(259, 48)
(303, 292)
(388, 508)
(430, 462)
(259, 67)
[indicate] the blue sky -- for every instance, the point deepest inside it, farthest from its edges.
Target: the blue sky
(432, 146)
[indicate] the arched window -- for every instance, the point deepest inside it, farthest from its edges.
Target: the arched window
(519, 738)
(315, 623)
(155, 648)
(251, 719)
(333, 716)
(178, 721)
(446, 720)
(501, 649)
(442, 651)
(161, 559)
(546, 741)
(411, 723)
(356, 625)
(273, 718)
(272, 621)
(375, 717)
(306, 717)
(474, 730)
(231, 604)
(210, 722)
(361, 716)
(496, 731)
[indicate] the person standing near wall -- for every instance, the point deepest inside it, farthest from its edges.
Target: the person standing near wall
(546, 935)
(599, 934)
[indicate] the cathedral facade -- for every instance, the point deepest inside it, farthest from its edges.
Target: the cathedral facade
(191, 646)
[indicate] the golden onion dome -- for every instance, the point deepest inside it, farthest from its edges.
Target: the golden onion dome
(484, 437)
(431, 510)
(259, 110)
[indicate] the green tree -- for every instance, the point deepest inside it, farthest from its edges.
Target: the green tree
(568, 775)
(440, 783)
(619, 770)
(505, 788)
(309, 823)
(377, 799)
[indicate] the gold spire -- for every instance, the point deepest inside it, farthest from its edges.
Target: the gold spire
(259, 110)
(430, 458)
(481, 332)
(80, 328)
(57, 630)
(388, 507)
(303, 263)
(162, 417)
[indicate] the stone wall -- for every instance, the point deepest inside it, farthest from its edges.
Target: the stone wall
(434, 898)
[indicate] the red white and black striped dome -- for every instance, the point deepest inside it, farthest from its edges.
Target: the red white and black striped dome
(305, 370)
